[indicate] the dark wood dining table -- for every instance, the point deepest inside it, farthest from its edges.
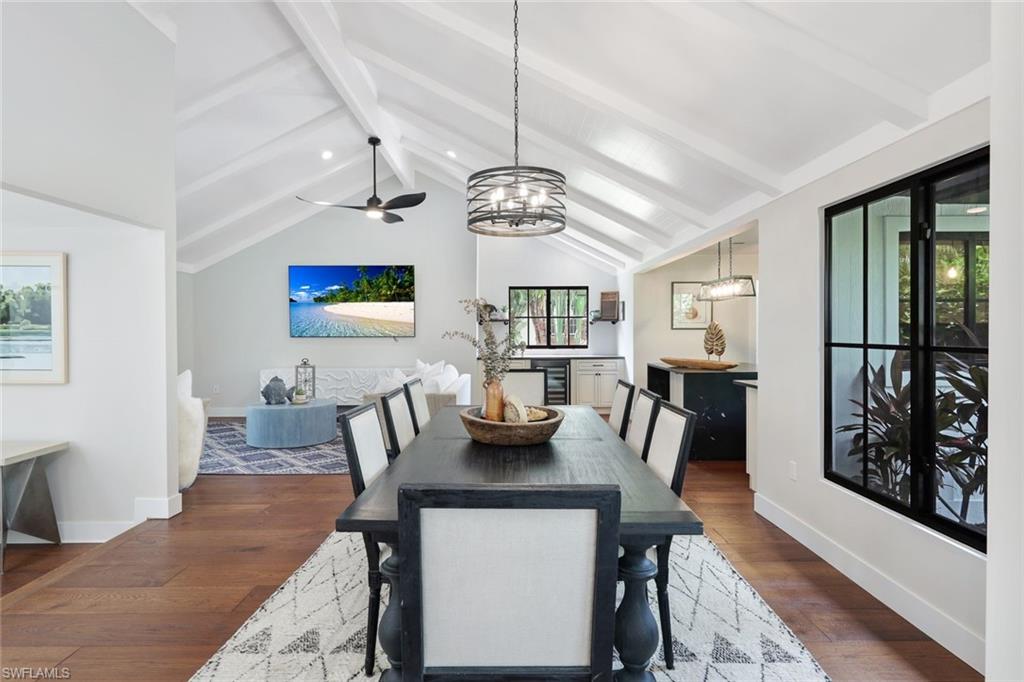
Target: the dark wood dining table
(585, 450)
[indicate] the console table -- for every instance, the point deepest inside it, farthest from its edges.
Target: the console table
(27, 504)
(291, 426)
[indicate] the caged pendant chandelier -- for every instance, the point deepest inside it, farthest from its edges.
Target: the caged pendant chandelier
(724, 288)
(515, 201)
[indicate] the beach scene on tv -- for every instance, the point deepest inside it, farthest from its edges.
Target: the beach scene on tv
(352, 300)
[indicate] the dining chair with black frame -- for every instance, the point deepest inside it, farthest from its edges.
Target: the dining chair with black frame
(367, 459)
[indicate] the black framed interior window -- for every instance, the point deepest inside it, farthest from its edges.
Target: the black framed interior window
(906, 346)
(550, 317)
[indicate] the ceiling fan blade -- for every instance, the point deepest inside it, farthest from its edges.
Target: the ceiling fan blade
(327, 203)
(391, 217)
(404, 201)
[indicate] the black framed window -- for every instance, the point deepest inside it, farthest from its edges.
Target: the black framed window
(906, 346)
(550, 317)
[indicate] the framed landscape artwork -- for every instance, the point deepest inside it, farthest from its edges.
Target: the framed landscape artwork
(351, 300)
(33, 318)
(687, 311)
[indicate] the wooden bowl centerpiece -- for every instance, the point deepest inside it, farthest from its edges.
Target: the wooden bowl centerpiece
(693, 363)
(511, 433)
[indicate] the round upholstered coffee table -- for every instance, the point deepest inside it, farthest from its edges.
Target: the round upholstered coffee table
(291, 426)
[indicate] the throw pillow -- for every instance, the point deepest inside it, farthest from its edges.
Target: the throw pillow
(448, 377)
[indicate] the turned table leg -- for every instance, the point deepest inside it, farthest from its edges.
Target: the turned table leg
(636, 631)
(390, 629)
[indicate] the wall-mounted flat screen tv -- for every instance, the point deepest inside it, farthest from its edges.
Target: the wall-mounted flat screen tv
(352, 300)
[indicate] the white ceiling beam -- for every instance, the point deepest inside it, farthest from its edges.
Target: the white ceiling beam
(278, 68)
(264, 153)
(442, 139)
(588, 250)
(304, 212)
(895, 100)
(575, 225)
(267, 200)
(316, 25)
(555, 75)
(629, 178)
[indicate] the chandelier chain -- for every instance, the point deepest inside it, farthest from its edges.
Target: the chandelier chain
(515, 78)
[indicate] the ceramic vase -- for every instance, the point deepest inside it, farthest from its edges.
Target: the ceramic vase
(494, 401)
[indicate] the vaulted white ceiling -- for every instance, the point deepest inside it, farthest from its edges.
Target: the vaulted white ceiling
(669, 119)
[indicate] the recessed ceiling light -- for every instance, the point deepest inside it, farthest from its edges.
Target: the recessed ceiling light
(977, 209)
(450, 153)
(327, 155)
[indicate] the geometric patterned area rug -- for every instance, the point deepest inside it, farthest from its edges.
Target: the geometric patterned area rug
(314, 626)
(225, 452)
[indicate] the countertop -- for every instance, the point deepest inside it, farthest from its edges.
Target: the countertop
(742, 368)
(747, 383)
(570, 357)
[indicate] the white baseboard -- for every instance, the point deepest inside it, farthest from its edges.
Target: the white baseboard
(157, 507)
(77, 531)
(935, 623)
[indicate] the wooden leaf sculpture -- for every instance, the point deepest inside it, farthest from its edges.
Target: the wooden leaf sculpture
(714, 340)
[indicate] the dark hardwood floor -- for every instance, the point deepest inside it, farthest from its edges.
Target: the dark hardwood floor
(157, 601)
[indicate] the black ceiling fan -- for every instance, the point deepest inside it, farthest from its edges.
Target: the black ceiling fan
(375, 208)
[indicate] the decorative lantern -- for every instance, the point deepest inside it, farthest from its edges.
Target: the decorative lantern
(305, 378)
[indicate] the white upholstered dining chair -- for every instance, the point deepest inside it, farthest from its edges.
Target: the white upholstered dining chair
(367, 459)
(398, 420)
(530, 385)
(644, 412)
(418, 405)
(541, 590)
(668, 451)
(622, 404)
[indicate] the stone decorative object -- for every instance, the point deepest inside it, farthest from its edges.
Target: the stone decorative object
(714, 340)
(275, 392)
(505, 433)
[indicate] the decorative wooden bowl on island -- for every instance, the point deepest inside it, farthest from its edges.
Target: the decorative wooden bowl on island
(511, 433)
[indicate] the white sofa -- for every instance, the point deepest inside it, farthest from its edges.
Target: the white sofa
(192, 413)
(352, 385)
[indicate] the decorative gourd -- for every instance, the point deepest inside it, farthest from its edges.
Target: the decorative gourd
(714, 340)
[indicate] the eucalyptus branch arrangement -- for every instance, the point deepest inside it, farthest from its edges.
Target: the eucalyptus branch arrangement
(495, 355)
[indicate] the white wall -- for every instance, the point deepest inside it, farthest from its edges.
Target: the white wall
(241, 303)
(88, 123)
(1004, 659)
(515, 262)
(186, 320)
(934, 582)
(653, 336)
(111, 409)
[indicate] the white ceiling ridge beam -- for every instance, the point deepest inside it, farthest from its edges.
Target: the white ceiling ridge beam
(587, 250)
(574, 224)
(278, 68)
(598, 164)
(267, 200)
(723, 158)
(316, 26)
(265, 152)
(895, 100)
(305, 212)
(425, 132)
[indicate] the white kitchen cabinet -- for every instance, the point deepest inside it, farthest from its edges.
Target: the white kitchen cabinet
(594, 381)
